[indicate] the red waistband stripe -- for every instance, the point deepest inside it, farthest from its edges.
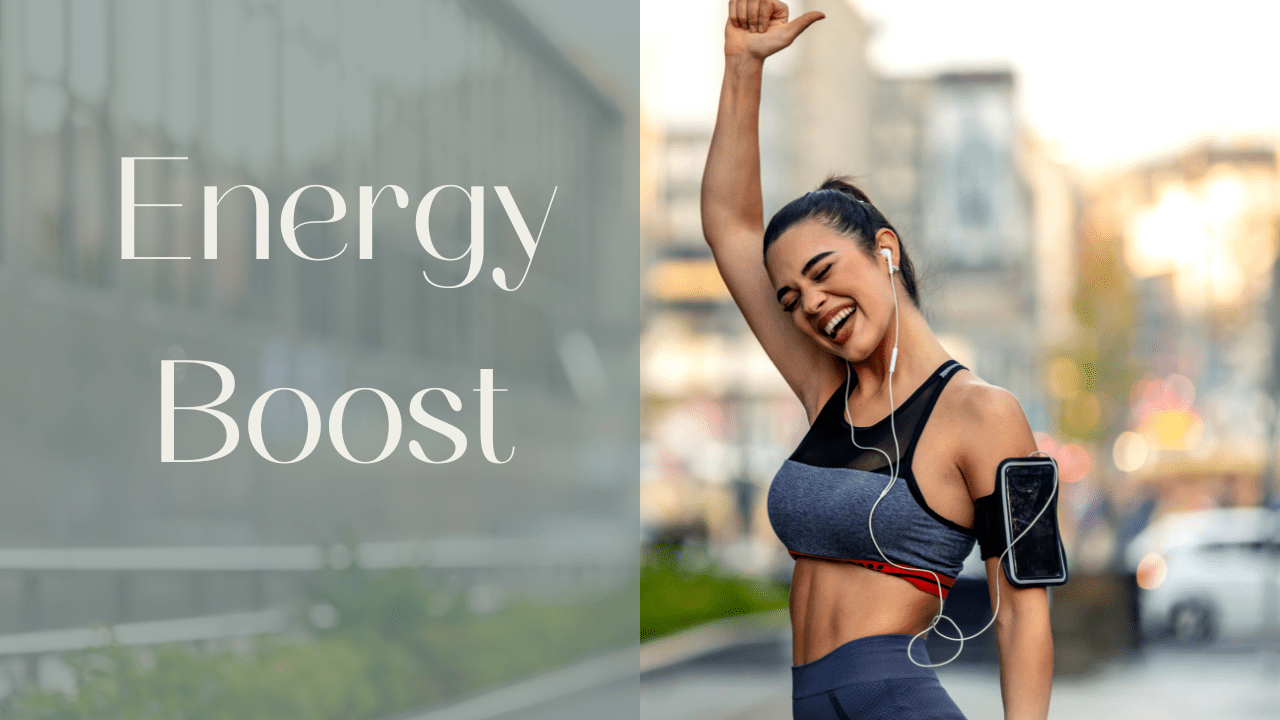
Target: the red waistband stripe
(922, 579)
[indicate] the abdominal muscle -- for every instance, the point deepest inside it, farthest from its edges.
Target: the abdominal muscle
(834, 602)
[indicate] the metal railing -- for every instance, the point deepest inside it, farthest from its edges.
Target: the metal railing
(601, 562)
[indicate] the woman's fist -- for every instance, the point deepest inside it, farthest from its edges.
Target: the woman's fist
(760, 28)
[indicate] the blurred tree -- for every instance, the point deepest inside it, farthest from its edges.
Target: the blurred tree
(1270, 491)
(1106, 309)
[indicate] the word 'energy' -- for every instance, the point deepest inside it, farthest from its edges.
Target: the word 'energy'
(368, 198)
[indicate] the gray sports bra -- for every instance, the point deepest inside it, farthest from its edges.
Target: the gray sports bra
(819, 500)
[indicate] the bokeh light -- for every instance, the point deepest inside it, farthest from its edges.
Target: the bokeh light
(1164, 237)
(1130, 452)
(1085, 411)
(1175, 429)
(1045, 443)
(1073, 462)
(1193, 239)
(1152, 571)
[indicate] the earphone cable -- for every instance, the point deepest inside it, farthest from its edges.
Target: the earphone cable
(894, 471)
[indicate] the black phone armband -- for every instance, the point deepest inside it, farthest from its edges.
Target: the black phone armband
(988, 525)
(1026, 491)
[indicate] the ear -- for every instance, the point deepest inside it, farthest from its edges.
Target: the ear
(887, 240)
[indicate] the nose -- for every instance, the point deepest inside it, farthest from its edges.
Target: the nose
(812, 300)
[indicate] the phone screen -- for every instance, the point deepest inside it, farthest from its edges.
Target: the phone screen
(1036, 556)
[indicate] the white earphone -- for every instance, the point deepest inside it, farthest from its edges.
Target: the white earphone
(887, 254)
(893, 477)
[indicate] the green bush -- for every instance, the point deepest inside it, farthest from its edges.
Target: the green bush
(387, 653)
(672, 597)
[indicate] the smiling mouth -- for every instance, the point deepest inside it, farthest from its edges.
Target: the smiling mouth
(837, 322)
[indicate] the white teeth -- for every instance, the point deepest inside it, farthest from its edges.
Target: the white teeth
(831, 325)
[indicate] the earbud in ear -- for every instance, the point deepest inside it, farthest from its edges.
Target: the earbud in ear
(888, 257)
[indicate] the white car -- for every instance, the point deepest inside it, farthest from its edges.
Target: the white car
(1207, 575)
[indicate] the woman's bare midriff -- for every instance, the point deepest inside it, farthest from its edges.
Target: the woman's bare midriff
(833, 602)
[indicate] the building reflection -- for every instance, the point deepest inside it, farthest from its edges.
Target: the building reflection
(280, 95)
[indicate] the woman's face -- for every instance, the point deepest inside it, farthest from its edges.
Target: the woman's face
(833, 291)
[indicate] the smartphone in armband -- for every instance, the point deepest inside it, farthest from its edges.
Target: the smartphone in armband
(1024, 486)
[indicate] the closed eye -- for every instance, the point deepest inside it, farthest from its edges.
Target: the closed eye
(790, 306)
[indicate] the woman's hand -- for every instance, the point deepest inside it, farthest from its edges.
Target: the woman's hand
(759, 28)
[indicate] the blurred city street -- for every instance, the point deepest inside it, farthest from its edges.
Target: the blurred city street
(1119, 276)
(753, 683)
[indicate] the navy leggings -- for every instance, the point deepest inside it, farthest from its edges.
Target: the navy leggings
(868, 679)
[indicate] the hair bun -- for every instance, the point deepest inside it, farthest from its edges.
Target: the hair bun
(844, 185)
(844, 208)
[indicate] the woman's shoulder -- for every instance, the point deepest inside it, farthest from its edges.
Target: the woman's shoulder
(985, 424)
(977, 404)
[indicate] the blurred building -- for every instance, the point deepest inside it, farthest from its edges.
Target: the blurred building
(816, 112)
(991, 220)
(954, 171)
(1199, 232)
(717, 413)
(280, 95)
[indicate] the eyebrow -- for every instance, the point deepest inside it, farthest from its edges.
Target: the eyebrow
(804, 271)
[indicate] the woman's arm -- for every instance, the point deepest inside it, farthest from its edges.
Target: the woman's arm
(732, 208)
(998, 429)
(1026, 647)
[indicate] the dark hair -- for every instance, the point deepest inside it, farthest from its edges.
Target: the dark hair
(841, 206)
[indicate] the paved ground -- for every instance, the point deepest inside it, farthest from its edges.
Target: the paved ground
(1162, 684)
(741, 670)
(711, 694)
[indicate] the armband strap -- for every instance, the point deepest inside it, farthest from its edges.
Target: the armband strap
(988, 525)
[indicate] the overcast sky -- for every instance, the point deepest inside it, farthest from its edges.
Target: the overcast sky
(1107, 82)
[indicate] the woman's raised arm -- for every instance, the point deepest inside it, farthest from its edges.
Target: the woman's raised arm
(732, 208)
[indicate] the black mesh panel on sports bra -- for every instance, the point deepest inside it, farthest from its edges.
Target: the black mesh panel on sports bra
(828, 443)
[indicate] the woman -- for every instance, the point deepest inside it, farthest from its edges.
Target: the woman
(835, 306)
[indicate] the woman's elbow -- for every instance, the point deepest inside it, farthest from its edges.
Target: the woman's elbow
(1026, 606)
